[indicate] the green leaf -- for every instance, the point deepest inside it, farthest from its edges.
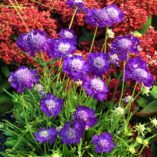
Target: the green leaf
(142, 102)
(5, 71)
(151, 107)
(154, 92)
(146, 26)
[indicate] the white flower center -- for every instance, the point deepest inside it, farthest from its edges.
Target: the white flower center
(114, 57)
(44, 133)
(68, 34)
(113, 13)
(76, 64)
(71, 133)
(23, 74)
(50, 104)
(97, 84)
(63, 48)
(99, 62)
(102, 15)
(78, 1)
(141, 73)
(104, 143)
(83, 115)
(37, 39)
(124, 43)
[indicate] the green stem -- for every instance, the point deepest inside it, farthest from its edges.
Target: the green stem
(116, 87)
(80, 149)
(132, 96)
(73, 16)
(93, 40)
(45, 149)
(105, 42)
(122, 91)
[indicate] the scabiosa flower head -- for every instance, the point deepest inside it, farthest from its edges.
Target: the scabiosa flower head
(98, 63)
(75, 3)
(76, 67)
(72, 132)
(115, 14)
(114, 59)
(68, 34)
(51, 105)
(97, 17)
(103, 142)
(95, 87)
(136, 69)
(46, 135)
(34, 41)
(39, 87)
(23, 78)
(86, 115)
(63, 47)
(125, 44)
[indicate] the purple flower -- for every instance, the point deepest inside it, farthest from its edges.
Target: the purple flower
(75, 3)
(136, 69)
(104, 17)
(124, 45)
(51, 105)
(75, 67)
(35, 41)
(97, 17)
(115, 14)
(68, 34)
(63, 47)
(46, 135)
(72, 132)
(23, 78)
(98, 63)
(86, 115)
(103, 142)
(95, 87)
(114, 59)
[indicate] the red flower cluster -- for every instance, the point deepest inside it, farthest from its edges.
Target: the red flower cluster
(12, 25)
(148, 46)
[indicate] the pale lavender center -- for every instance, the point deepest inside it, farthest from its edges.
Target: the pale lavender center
(141, 73)
(63, 47)
(83, 115)
(104, 143)
(50, 104)
(37, 39)
(99, 62)
(97, 84)
(68, 34)
(78, 1)
(76, 64)
(102, 15)
(44, 133)
(71, 133)
(113, 12)
(23, 74)
(125, 43)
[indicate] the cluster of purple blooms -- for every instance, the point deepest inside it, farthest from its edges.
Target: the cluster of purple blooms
(72, 132)
(104, 17)
(90, 71)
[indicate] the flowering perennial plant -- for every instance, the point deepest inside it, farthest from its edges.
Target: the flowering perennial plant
(49, 120)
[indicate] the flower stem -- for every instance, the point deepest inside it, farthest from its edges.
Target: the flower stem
(105, 41)
(19, 15)
(93, 40)
(72, 19)
(122, 91)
